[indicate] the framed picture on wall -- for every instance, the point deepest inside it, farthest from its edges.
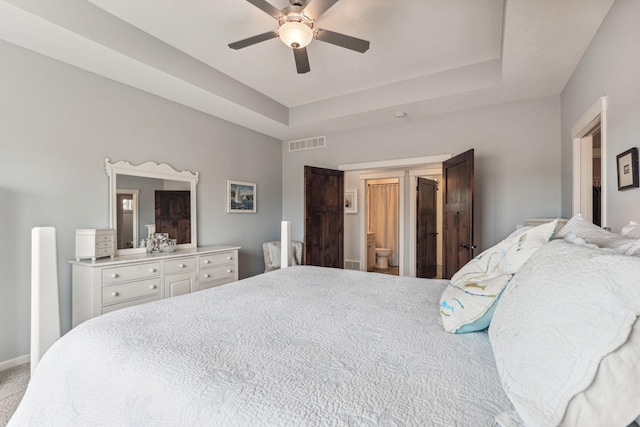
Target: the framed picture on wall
(628, 169)
(241, 197)
(350, 201)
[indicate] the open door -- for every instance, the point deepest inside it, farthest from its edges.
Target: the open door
(457, 222)
(324, 217)
(426, 234)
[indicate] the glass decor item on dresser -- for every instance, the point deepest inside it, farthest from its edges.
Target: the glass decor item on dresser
(151, 194)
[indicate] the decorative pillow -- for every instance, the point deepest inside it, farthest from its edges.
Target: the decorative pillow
(467, 304)
(631, 230)
(600, 237)
(562, 337)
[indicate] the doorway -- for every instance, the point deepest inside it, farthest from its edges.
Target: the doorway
(359, 250)
(127, 218)
(383, 221)
(590, 165)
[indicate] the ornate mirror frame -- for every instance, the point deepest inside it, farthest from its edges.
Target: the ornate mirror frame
(150, 170)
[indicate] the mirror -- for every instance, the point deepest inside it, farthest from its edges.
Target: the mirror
(151, 198)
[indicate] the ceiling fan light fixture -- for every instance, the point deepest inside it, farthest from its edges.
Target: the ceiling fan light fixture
(295, 34)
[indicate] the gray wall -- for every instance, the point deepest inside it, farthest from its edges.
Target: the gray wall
(58, 123)
(517, 160)
(610, 67)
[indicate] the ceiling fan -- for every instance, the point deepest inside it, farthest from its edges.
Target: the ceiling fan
(296, 30)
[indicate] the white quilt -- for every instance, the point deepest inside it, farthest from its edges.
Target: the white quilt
(303, 346)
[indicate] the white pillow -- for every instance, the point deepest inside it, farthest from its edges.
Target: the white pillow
(600, 237)
(631, 230)
(467, 304)
(561, 337)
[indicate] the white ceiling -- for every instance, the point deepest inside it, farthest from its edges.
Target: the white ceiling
(426, 56)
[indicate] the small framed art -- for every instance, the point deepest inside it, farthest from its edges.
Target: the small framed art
(627, 169)
(350, 201)
(241, 197)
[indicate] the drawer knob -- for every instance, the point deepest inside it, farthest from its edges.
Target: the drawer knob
(114, 275)
(206, 261)
(229, 258)
(206, 276)
(152, 270)
(152, 286)
(114, 294)
(229, 271)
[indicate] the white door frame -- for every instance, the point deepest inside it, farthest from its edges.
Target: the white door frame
(582, 160)
(363, 219)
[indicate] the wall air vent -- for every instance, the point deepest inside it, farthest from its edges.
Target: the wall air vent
(351, 265)
(308, 144)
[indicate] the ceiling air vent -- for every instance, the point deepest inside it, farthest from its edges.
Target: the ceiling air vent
(308, 144)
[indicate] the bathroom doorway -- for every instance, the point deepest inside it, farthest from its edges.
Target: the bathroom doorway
(358, 250)
(383, 225)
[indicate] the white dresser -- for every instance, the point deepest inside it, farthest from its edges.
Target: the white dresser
(106, 285)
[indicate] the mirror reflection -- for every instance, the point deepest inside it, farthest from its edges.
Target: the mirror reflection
(162, 206)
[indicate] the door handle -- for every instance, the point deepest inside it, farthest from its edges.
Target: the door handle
(472, 247)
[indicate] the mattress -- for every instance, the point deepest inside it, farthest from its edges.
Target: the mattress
(302, 346)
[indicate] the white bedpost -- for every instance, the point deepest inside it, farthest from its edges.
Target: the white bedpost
(45, 313)
(285, 244)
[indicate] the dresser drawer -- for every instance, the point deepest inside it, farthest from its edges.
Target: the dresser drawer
(181, 265)
(226, 272)
(131, 303)
(105, 244)
(124, 291)
(100, 252)
(130, 272)
(104, 236)
(216, 259)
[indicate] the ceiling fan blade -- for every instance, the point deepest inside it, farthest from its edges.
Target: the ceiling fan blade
(315, 8)
(342, 40)
(253, 40)
(302, 60)
(266, 7)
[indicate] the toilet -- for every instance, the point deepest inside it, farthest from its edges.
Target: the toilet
(382, 255)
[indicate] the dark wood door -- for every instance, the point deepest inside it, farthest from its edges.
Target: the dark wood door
(427, 233)
(173, 214)
(323, 217)
(457, 222)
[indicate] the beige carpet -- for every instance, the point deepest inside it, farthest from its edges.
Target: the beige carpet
(13, 383)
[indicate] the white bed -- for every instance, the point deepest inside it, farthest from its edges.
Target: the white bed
(310, 346)
(300, 346)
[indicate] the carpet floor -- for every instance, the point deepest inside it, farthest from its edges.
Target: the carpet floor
(13, 383)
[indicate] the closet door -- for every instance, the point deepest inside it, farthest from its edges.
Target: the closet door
(427, 233)
(457, 223)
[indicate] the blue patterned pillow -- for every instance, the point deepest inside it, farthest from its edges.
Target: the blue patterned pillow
(467, 304)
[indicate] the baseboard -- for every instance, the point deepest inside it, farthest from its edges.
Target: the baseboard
(20, 360)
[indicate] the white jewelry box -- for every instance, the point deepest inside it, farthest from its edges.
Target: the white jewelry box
(95, 243)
